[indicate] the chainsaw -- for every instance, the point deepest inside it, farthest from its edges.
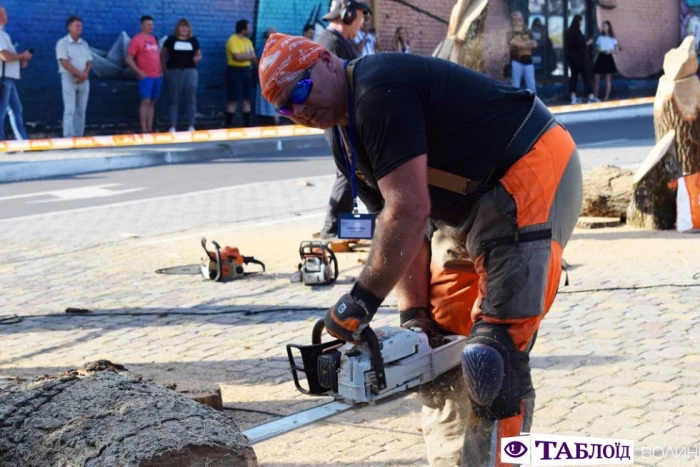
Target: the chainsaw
(225, 264)
(390, 360)
(318, 266)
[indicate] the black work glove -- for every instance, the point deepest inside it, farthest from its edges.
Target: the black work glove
(351, 314)
(420, 318)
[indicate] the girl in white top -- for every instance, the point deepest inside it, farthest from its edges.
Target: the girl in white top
(606, 45)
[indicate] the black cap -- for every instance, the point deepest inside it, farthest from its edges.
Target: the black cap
(338, 5)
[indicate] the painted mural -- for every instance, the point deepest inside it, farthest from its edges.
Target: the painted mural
(108, 27)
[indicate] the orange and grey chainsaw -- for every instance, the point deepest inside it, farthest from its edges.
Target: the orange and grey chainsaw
(390, 361)
(318, 266)
(225, 264)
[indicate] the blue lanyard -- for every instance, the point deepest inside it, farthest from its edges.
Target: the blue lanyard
(351, 167)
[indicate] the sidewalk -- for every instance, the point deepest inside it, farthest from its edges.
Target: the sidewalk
(608, 363)
(99, 154)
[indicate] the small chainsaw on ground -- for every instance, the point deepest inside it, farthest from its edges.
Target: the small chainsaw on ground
(225, 264)
(318, 266)
(390, 360)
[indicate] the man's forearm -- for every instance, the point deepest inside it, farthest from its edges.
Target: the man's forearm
(132, 64)
(88, 67)
(412, 290)
(396, 242)
(8, 56)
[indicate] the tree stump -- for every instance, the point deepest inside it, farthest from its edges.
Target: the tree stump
(465, 32)
(102, 415)
(606, 192)
(653, 204)
(677, 102)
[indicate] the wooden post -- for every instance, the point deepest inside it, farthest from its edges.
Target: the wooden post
(653, 204)
(463, 43)
(677, 104)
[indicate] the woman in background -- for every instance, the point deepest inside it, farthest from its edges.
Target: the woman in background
(403, 45)
(576, 47)
(606, 45)
(180, 55)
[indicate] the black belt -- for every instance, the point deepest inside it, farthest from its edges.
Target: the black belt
(537, 121)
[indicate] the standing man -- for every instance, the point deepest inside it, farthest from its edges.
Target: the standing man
(501, 186)
(240, 55)
(11, 64)
(143, 56)
(74, 60)
(366, 42)
(346, 18)
(521, 43)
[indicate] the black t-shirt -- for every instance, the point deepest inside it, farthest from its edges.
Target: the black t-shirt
(181, 52)
(337, 44)
(406, 105)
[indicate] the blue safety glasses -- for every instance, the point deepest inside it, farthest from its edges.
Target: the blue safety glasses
(298, 96)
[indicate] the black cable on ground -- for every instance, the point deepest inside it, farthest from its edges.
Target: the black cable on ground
(14, 319)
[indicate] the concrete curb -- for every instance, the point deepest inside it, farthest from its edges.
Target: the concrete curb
(74, 163)
(152, 156)
(583, 116)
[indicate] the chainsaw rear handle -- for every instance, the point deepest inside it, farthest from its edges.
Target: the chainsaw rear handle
(372, 341)
(251, 259)
(335, 263)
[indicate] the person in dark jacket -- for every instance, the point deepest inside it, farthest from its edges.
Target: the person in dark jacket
(576, 47)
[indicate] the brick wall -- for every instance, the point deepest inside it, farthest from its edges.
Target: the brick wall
(424, 32)
(113, 104)
(646, 29)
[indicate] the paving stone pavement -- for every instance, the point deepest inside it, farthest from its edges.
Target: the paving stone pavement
(610, 360)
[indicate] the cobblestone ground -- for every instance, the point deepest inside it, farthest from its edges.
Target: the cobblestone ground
(610, 360)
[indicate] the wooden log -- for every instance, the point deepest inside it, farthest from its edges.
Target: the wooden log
(653, 204)
(677, 104)
(606, 192)
(102, 415)
(463, 42)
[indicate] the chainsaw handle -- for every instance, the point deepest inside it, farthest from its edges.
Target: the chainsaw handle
(334, 259)
(372, 342)
(217, 252)
(317, 331)
(376, 355)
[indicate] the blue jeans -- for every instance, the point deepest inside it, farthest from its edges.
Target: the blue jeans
(520, 70)
(10, 101)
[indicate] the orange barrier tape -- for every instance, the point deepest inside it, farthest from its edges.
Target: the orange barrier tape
(226, 134)
(232, 134)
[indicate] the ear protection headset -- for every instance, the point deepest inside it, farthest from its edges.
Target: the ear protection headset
(349, 13)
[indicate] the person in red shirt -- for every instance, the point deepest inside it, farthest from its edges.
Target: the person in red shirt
(143, 56)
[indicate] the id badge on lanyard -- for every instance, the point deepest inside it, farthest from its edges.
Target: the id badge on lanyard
(352, 225)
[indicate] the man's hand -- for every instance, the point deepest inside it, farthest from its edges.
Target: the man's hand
(352, 314)
(420, 318)
(26, 56)
(140, 75)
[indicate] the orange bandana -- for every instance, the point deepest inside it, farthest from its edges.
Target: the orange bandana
(284, 59)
